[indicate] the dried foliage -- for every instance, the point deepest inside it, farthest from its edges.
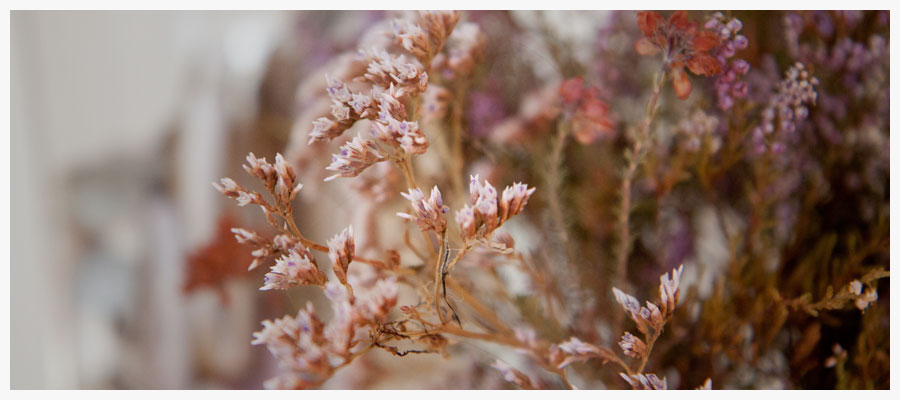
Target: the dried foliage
(218, 261)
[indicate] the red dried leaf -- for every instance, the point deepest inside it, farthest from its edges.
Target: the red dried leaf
(703, 64)
(648, 21)
(705, 41)
(223, 258)
(571, 90)
(679, 20)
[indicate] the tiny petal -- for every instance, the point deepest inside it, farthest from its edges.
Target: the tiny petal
(681, 83)
(355, 156)
(341, 250)
(856, 287)
(428, 213)
(513, 375)
(646, 47)
(707, 385)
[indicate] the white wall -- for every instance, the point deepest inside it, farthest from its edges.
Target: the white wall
(88, 87)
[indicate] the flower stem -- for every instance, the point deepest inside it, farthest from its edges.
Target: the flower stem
(634, 157)
(405, 166)
(646, 357)
(479, 307)
(320, 247)
(439, 269)
(457, 159)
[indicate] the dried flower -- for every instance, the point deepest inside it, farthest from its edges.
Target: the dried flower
(684, 151)
(346, 108)
(681, 44)
(412, 38)
(341, 330)
(486, 213)
(355, 156)
(786, 109)
(261, 169)
(669, 288)
(707, 385)
(279, 179)
(244, 236)
(513, 200)
(220, 260)
(326, 129)
(573, 350)
(232, 189)
(288, 382)
(632, 346)
(526, 336)
(390, 75)
(297, 267)
(297, 344)
(378, 302)
(513, 375)
(466, 220)
(627, 301)
(869, 296)
(485, 203)
(341, 251)
(839, 354)
(729, 85)
(429, 214)
(425, 37)
(264, 248)
(392, 128)
(590, 115)
(653, 315)
(855, 287)
(645, 381)
(388, 70)
(699, 126)
(285, 187)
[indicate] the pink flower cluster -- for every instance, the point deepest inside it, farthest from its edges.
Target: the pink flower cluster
(425, 37)
(729, 85)
(393, 80)
(645, 381)
(279, 178)
(785, 110)
(297, 267)
(392, 127)
(653, 315)
(355, 156)
(485, 213)
(309, 350)
(428, 213)
(513, 375)
(573, 350)
(341, 250)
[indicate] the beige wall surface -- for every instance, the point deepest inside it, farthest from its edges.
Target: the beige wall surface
(93, 96)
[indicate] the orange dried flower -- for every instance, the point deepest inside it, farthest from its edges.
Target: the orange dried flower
(682, 45)
(218, 261)
(590, 115)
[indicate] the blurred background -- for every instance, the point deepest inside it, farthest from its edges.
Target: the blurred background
(107, 109)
